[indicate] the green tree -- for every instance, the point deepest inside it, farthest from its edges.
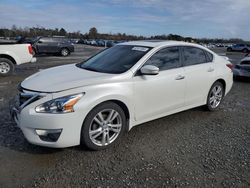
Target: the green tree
(62, 32)
(93, 33)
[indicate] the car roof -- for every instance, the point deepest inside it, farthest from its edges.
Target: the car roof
(158, 43)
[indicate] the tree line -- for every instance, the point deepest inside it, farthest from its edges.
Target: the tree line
(93, 33)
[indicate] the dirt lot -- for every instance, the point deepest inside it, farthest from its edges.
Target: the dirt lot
(194, 148)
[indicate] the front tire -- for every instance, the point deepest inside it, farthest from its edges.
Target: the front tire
(215, 96)
(103, 126)
(6, 67)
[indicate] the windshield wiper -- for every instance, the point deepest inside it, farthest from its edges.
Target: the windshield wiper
(90, 69)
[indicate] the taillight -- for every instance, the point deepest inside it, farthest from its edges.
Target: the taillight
(30, 49)
(231, 66)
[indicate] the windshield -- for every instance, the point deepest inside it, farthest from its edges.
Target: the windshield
(115, 60)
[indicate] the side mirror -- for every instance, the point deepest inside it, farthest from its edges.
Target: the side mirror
(149, 70)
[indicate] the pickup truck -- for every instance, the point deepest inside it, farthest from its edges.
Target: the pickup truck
(12, 55)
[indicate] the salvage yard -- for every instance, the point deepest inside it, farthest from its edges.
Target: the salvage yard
(195, 148)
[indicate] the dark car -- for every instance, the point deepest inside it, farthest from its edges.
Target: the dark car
(243, 68)
(239, 47)
(110, 43)
(100, 42)
(53, 45)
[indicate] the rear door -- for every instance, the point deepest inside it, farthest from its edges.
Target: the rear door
(199, 71)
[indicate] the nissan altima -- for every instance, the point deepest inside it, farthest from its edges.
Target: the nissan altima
(96, 101)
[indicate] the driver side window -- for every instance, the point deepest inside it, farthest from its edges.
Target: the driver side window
(167, 58)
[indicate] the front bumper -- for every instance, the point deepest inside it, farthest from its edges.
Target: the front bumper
(34, 124)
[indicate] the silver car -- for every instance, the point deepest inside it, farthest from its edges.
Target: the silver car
(243, 68)
(239, 48)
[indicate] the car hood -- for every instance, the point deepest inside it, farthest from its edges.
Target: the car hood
(63, 78)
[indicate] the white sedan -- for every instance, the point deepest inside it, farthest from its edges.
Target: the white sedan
(96, 101)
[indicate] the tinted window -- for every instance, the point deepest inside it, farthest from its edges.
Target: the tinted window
(210, 56)
(60, 40)
(193, 56)
(165, 59)
(245, 63)
(45, 39)
(117, 59)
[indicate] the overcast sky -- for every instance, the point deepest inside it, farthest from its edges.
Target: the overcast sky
(195, 18)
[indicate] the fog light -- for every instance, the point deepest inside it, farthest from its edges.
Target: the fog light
(48, 135)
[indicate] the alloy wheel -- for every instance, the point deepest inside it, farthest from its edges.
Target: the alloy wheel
(65, 52)
(105, 127)
(216, 96)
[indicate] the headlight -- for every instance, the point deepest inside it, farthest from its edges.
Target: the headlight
(59, 105)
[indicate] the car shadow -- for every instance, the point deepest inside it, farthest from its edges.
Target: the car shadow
(47, 55)
(11, 137)
(242, 79)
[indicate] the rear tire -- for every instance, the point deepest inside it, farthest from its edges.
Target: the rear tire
(7, 67)
(64, 52)
(103, 126)
(245, 50)
(215, 96)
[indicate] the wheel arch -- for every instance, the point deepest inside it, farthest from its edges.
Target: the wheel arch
(223, 82)
(64, 47)
(8, 57)
(121, 104)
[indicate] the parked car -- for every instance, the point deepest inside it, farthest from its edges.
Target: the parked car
(243, 68)
(96, 101)
(100, 42)
(93, 42)
(239, 48)
(12, 54)
(74, 41)
(81, 41)
(110, 43)
(51, 45)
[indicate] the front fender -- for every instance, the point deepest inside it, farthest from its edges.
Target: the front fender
(95, 95)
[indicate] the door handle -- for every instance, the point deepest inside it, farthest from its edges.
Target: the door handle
(210, 69)
(179, 77)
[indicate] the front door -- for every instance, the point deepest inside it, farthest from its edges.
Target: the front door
(156, 95)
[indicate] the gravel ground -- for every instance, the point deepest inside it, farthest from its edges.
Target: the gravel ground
(194, 148)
